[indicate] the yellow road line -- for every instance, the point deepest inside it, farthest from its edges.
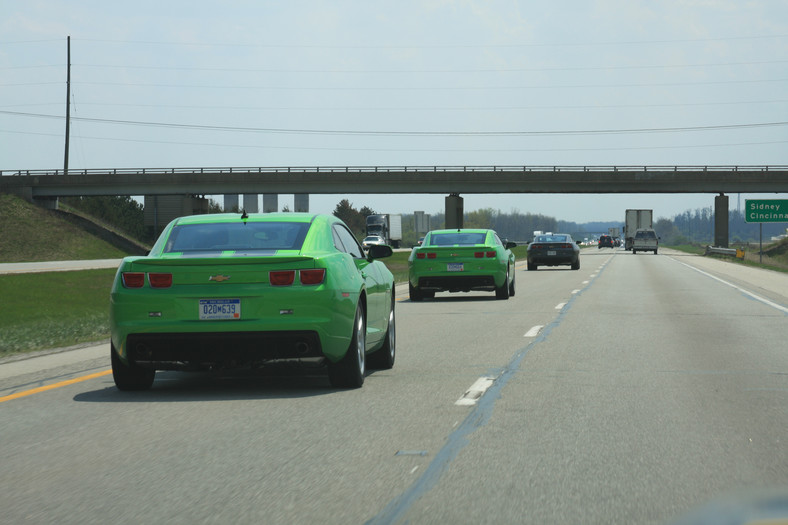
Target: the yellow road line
(54, 385)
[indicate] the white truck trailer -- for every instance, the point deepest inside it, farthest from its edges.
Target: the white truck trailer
(635, 220)
(387, 226)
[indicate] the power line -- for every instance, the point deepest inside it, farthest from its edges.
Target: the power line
(417, 71)
(409, 149)
(242, 129)
(435, 46)
(411, 88)
(430, 108)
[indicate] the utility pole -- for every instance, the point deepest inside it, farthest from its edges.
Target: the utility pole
(68, 101)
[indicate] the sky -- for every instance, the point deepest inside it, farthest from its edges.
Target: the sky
(405, 83)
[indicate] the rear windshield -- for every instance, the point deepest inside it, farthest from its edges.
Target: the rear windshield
(552, 238)
(457, 239)
(250, 237)
(645, 235)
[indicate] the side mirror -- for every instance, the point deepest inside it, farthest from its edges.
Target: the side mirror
(379, 251)
(509, 245)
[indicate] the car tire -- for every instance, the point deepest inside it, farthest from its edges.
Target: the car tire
(130, 377)
(503, 292)
(383, 359)
(532, 267)
(414, 293)
(576, 265)
(655, 252)
(349, 371)
(511, 288)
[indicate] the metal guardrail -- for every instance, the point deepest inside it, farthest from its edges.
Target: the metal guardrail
(393, 169)
(731, 252)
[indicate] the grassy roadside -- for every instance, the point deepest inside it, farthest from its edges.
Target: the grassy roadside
(54, 309)
(31, 234)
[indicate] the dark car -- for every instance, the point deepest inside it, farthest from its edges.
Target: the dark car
(554, 249)
(605, 241)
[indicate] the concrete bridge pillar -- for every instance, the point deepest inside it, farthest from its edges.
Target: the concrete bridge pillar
(721, 221)
(231, 203)
(301, 202)
(454, 211)
(270, 203)
(251, 204)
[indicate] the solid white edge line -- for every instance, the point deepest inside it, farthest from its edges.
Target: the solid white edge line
(742, 290)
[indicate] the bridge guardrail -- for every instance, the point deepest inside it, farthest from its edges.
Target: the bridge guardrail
(390, 169)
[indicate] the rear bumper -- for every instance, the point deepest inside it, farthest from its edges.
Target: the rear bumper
(459, 283)
(546, 260)
(211, 350)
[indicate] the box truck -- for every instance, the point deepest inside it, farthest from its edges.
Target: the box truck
(635, 220)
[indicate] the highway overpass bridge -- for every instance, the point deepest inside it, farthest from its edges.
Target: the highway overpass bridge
(38, 185)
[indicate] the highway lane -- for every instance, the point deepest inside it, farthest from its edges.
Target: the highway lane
(583, 422)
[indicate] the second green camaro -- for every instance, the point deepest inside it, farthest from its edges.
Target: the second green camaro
(461, 260)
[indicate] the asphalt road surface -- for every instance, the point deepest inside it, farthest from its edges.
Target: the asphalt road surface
(634, 390)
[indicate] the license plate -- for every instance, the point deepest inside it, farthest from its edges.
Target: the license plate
(215, 309)
(550, 252)
(455, 267)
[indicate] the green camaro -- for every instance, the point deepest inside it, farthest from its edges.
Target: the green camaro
(232, 290)
(461, 261)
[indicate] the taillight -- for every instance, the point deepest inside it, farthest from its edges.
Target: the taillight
(133, 279)
(432, 255)
(491, 254)
(281, 278)
(478, 255)
(160, 280)
(421, 255)
(312, 276)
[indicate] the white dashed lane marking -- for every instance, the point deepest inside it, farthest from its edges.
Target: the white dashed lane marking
(477, 390)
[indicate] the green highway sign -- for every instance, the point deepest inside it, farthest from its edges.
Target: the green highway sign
(766, 210)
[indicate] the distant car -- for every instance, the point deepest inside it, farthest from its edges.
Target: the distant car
(231, 290)
(371, 240)
(461, 260)
(605, 241)
(553, 250)
(420, 241)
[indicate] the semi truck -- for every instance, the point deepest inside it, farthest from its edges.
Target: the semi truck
(635, 220)
(388, 226)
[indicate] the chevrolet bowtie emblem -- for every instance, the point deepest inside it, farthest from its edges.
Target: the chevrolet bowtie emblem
(218, 278)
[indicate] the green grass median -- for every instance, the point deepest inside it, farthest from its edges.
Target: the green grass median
(53, 309)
